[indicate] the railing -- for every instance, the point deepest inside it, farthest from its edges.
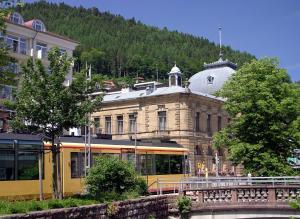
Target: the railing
(236, 192)
(194, 183)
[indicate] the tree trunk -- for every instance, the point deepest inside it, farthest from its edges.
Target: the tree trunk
(60, 194)
(54, 169)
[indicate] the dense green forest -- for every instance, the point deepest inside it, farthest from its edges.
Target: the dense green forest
(118, 47)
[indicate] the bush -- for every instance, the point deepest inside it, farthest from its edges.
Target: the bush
(110, 174)
(184, 204)
(141, 186)
(55, 203)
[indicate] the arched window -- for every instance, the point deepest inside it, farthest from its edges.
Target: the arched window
(16, 18)
(173, 80)
(38, 25)
(179, 81)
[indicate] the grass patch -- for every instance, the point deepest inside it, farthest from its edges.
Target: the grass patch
(8, 207)
(16, 207)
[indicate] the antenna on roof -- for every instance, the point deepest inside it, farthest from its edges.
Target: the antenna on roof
(220, 42)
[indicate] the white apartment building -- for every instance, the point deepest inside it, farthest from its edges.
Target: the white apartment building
(29, 39)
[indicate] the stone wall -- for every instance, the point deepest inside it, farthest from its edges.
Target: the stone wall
(143, 208)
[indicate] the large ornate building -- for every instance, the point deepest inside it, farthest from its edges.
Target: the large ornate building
(188, 114)
(24, 40)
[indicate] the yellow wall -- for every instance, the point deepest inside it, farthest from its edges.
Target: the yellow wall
(28, 189)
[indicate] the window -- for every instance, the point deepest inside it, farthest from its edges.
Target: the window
(28, 165)
(197, 150)
(42, 47)
(173, 80)
(62, 51)
(16, 18)
(179, 81)
(6, 92)
(77, 164)
(119, 124)
(132, 123)
(209, 151)
(23, 48)
(176, 164)
(7, 165)
(219, 123)
(169, 164)
(162, 164)
(19, 159)
(38, 25)
(13, 67)
(162, 121)
(146, 163)
(1, 126)
(210, 79)
(208, 123)
(97, 125)
(16, 44)
(197, 122)
(108, 125)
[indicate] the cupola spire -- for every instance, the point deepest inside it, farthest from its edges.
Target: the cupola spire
(220, 43)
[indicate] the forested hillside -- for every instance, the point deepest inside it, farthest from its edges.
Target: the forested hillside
(117, 47)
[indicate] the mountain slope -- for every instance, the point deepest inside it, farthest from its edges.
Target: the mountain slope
(116, 46)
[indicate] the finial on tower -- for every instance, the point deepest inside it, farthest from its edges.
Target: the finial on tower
(220, 42)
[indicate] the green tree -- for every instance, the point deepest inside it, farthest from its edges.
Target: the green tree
(112, 175)
(265, 109)
(48, 105)
(6, 76)
(117, 47)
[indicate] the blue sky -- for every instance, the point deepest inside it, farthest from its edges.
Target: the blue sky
(263, 28)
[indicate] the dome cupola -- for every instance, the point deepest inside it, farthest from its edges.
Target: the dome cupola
(175, 76)
(213, 77)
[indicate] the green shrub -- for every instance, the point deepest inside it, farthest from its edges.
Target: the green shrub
(18, 207)
(295, 204)
(69, 203)
(4, 207)
(184, 204)
(36, 206)
(110, 174)
(55, 203)
(141, 186)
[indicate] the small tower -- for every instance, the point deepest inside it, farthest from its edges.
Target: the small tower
(175, 77)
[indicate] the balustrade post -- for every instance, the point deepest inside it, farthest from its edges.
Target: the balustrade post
(200, 197)
(234, 198)
(271, 195)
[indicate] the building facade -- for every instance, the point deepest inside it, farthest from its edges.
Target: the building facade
(188, 115)
(24, 40)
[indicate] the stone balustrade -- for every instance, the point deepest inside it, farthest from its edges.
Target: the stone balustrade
(244, 195)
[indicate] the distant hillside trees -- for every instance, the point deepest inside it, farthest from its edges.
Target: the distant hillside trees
(119, 47)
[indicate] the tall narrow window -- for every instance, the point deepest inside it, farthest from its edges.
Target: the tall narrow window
(197, 150)
(219, 123)
(208, 123)
(119, 124)
(132, 123)
(108, 125)
(23, 48)
(162, 121)
(173, 80)
(97, 125)
(197, 122)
